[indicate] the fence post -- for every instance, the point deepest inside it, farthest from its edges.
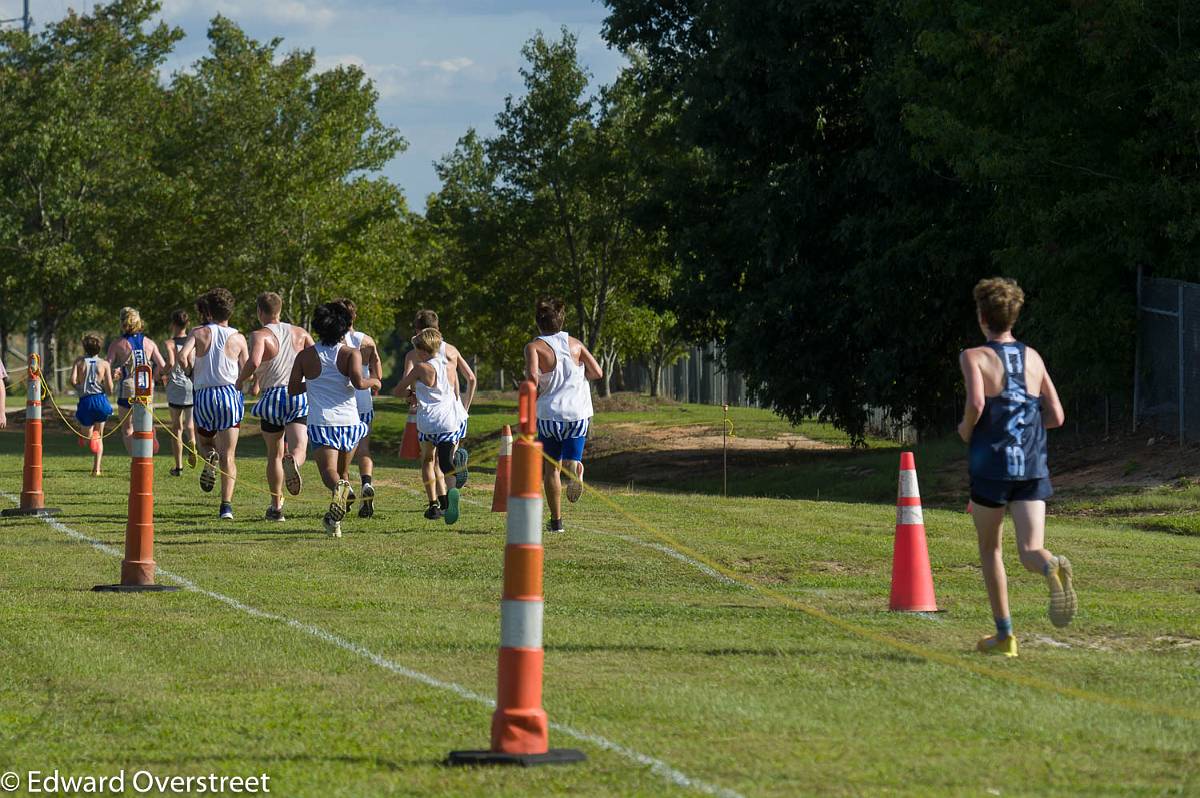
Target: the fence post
(1137, 351)
(1182, 412)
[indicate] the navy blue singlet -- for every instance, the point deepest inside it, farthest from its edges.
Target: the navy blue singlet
(1009, 442)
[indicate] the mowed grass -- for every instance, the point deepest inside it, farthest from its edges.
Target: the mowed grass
(717, 680)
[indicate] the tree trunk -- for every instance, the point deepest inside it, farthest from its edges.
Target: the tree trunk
(655, 378)
(619, 377)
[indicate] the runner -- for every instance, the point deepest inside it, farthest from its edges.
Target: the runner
(132, 349)
(561, 366)
(3, 396)
(179, 395)
(372, 367)
(283, 417)
(330, 372)
(456, 368)
(1011, 402)
(441, 424)
(218, 351)
(93, 379)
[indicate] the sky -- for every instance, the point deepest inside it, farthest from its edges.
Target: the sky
(440, 66)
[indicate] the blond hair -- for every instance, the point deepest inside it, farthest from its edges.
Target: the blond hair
(428, 340)
(131, 321)
(999, 301)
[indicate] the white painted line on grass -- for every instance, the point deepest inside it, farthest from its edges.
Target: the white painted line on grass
(656, 766)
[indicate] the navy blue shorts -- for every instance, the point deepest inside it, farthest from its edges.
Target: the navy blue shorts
(92, 409)
(559, 450)
(996, 493)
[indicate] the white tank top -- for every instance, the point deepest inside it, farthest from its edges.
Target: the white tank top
(91, 381)
(278, 370)
(354, 340)
(213, 368)
(330, 395)
(564, 393)
(439, 409)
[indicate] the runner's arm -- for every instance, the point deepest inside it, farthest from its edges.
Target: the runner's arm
(591, 369)
(296, 384)
(407, 381)
(973, 409)
(258, 343)
(354, 371)
(465, 370)
(105, 373)
(1053, 415)
(76, 373)
(532, 371)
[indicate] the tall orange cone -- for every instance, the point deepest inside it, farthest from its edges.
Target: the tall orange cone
(912, 580)
(138, 567)
(503, 470)
(33, 501)
(520, 729)
(410, 447)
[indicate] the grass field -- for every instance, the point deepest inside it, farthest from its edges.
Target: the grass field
(351, 667)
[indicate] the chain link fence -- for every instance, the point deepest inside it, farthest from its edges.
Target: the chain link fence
(1166, 394)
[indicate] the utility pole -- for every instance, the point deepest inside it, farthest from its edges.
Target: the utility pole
(24, 19)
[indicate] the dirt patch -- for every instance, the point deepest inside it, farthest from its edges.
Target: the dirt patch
(667, 439)
(629, 402)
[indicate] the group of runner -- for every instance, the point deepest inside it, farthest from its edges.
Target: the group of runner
(316, 393)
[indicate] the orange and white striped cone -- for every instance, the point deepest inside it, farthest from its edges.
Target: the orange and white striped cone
(33, 501)
(503, 472)
(138, 567)
(912, 579)
(520, 729)
(410, 447)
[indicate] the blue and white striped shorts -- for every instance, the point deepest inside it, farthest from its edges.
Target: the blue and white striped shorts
(367, 417)
(453, 436)
(217, 408)
(343, 438)
(563, 430)
(279, 407)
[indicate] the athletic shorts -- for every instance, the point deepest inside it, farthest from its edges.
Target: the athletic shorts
(174, 406)
(92, 409)
(344, 438)
(367, 418)
(564, 440)
(123, 403)
(448, 436)
(277, 408)
(997, 493)
(217, 408)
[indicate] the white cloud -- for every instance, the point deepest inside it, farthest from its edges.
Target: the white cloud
(297, 12)
(449, 64)
(300, 13)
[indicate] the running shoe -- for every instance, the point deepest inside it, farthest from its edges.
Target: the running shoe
(1063, 601)
(451, 516)
(340, 502)
(208, 476)
(993, 645)
(434, 511)
(154, 448)
(575, 486)
(461, 458)
(368, 506)
(275, 514)
(176, 472)
(291, 475)
(556, 525)
(94, 443)
(332, 528)
(226, 511)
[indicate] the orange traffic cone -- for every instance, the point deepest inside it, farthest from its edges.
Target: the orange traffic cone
(410, 447)
(912, 580)
(138, 567)
(33, 501)
(520, 729)
(503, 471)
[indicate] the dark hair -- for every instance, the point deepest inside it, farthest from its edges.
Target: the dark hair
(330, 322)
(93, 342)
(269, 303)
(219, 303)
(425, 319)
(350, 306)
(551, 313)
(180, 318)
(202, 309)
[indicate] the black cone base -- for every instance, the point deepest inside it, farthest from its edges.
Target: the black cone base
(555, 756)
(14, 511)
(133, 588)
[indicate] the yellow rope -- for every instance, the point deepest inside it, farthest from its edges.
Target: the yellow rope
(916, 649)
(46, 392)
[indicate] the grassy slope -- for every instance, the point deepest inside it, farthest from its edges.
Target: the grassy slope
(714, 679)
